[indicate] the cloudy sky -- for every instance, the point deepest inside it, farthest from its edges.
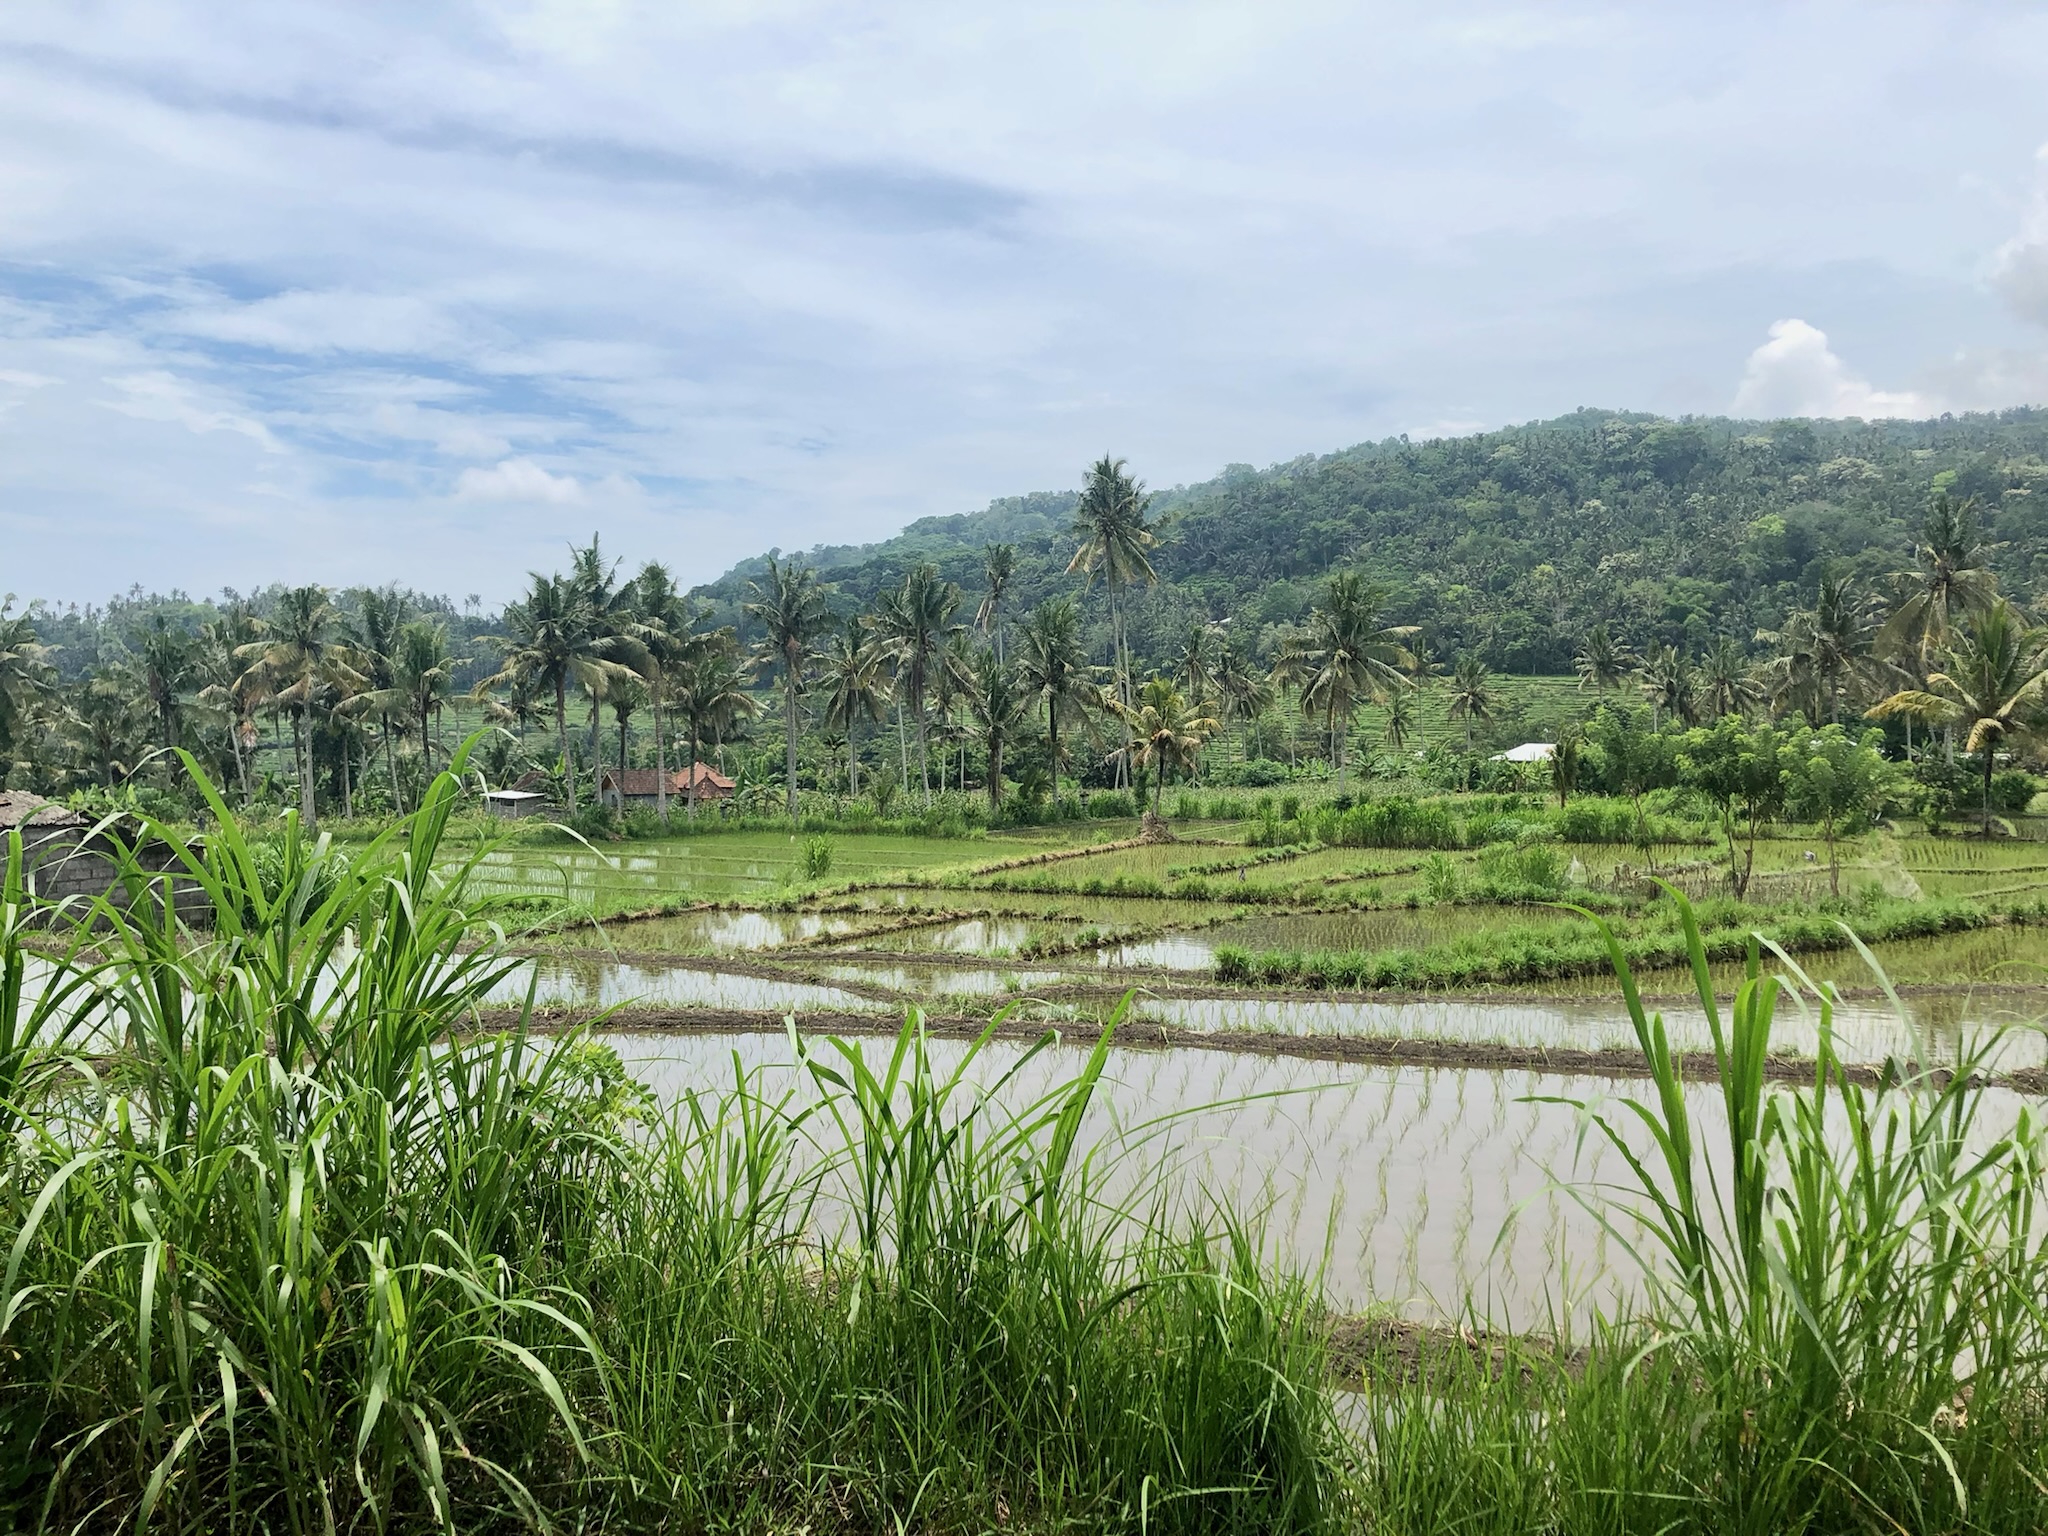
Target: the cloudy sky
(365, 291)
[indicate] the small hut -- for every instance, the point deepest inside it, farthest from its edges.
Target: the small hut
(67, 855)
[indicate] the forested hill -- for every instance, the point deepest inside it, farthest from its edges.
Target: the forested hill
(1514, 543)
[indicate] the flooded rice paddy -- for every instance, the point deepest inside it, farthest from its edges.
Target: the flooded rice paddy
(1409, 1187)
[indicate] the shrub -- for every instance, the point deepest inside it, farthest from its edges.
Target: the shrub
(1440, 880)
(815, 861)
(1111, 805)
(2012, 791)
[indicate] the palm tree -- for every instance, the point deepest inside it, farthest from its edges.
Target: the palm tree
(222, 692)
(1400, 721)
(164, 658)
(299, 655)
(1993, 682)
(850, 684)
(1823, 651)
(912, 626)
(710, 689)
(608, 606)
(1243, 692)
(1344, 657)
(664, 623)
(1472, 695)
(999, 701)
(24, 676)
(1667, 682)
(1949, 582)
(1602, 661)
(1110, 522)
(1167, 732)
(790, 607)
(550, 645)
(1724, 686)
(625, 696)
(1054, 669)
(373, 632)
(998, 566)
(1567, 757)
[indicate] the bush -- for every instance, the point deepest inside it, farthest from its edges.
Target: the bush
(1111, 805)
(815, 861)
(1440, 880)
(2013, 791)
(1187, 806)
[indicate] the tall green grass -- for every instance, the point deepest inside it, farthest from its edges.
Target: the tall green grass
(288, 1248)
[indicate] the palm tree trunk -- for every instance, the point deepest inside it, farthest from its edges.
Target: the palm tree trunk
(1052, 743)
(660, 762)
(903, 746)
(391, 770)
(562, 739)
(348, 798)
(302, 741)
(852, 761)
(690, 784)
(1988, 760)
(789, 735)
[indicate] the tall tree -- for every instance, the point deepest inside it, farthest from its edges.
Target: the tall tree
(300, 653)
(1949, 582)
(373, 631)
(664, 623)
(223, 690)
(164, 663)
(789, 605)
(1244, 692)
(851, 686)
(1111, 521)
(1000, 703)
(25, 678)
(1992, 683)
(1167, 732)
(1054, 668)
(998, 567)
(1723, 683)
(1603, 662)
(913, 625)
(550, 644)
(1473, 698)
(1666, 680)
(1345, 656)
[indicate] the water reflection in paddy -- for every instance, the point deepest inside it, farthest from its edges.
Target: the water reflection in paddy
(576, 982)
(1399, 1179)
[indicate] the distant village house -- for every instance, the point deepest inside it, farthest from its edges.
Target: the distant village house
(639, 788)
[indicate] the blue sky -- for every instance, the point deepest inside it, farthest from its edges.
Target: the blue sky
(372, 291)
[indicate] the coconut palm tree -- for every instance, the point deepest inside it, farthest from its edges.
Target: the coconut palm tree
(998, 566)
(709, 689)
(1345, 656)
(1054, 670)
(1603, 662)
(1243, 693)
(550, 645)
(164, 667)
(373, 632)
(25, 677)
(1823, 652)
(1948, 582)
(913, 625)
(299, 654)
(1567, 757)
(1472, 697)
(1000, 703)
(850, 684)
(1400, 722)
(1992, 682)
(626, 696)
(1110, 520)
(1167, 732)
(1723, 681)
(222, 691)
(664, 626)
(1666, 680)
(789, 605)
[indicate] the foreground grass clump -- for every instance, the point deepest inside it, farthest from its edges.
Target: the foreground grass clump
(1845, 1326)
(288, 1250)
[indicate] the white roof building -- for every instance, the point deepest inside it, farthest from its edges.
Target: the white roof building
(1527, 752)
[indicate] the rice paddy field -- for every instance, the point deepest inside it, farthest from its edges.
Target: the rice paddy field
(1021, 1182)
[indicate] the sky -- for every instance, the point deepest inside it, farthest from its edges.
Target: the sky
(369, 291)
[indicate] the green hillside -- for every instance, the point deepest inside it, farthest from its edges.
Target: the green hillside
(1514, 543)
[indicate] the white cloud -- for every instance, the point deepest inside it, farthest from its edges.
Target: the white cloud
(1796, 373)
(2020, 270)
(333, 321)
(160, 396)
(518, 480)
